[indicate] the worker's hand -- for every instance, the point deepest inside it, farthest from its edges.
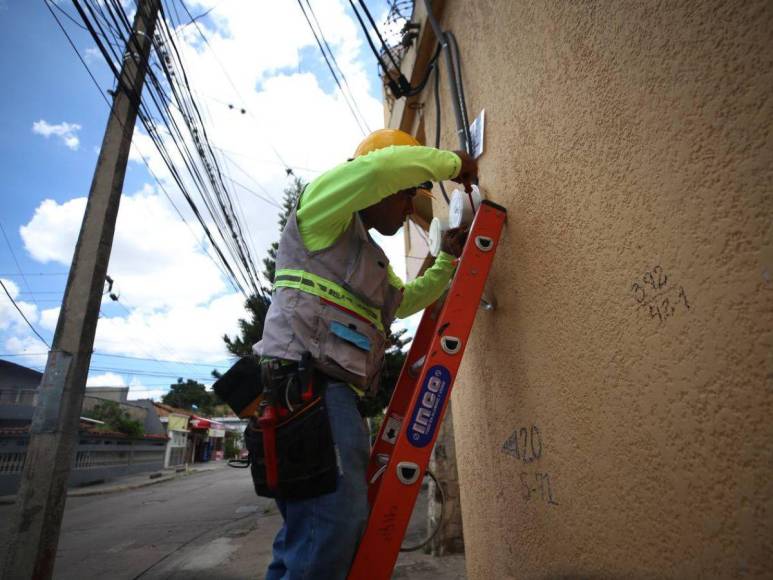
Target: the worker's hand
(453, 240)
(468, 174)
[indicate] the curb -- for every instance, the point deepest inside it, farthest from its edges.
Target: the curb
(85, 492)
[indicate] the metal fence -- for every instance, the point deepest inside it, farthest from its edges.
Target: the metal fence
(11, 462)
(96, 459)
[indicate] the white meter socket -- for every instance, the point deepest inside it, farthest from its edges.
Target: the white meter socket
(460, 212)
(436, 229)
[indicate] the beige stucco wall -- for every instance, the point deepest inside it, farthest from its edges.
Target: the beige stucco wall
(621, 136)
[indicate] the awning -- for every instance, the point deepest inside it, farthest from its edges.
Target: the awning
(202, 423)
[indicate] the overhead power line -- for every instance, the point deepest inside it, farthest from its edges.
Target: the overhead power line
(22, 274)
(225, 266)
(351, 103)
(124, 356)
(228, 76)
(141, 373)
(176, 108)
(18, 267)
(400, 87)
(22, 314)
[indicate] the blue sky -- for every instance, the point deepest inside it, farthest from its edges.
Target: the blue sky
(173, 303)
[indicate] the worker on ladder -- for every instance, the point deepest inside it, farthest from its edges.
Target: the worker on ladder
(325, 333)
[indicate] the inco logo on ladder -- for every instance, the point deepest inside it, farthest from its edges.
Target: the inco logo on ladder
(430, 401)
(402, 450)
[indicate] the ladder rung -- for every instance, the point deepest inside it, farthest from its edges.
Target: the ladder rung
(402, 450)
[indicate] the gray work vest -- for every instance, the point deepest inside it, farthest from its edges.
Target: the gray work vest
(335, 303)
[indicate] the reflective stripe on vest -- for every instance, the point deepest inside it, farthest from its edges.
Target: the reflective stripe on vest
(327, 290)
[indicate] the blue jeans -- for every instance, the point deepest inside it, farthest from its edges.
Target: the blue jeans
(320, 535)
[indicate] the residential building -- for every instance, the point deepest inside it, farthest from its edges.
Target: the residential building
(100, 455)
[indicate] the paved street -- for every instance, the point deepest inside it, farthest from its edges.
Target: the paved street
(205, 525)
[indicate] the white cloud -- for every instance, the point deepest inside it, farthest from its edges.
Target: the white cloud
(51, 234)
(26, 344)
(92, 54)
(184, 333)
(65, 131)
(180, 305)
(137, 389)
(49, 318)
(18, 338)
(9, 315)
(105, 380)
(156, 261)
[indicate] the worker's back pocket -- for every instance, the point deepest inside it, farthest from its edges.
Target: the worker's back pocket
(306, 458)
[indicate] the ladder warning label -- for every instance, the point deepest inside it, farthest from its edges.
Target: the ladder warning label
(426, 414)
(392, 429)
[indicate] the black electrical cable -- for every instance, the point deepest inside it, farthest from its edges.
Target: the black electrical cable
(423, 82)
(147, 125)
(369, 16)
(189, 110)
(462, 102)
(399, 86)
(457, 66)
(102, 49)
(228, 77)
(221, 192)
(232, 278)
(189, 162)
(70, 17)
(330, 67)
(437, 126)
(174, 129)
(22, 314)
(335, 62)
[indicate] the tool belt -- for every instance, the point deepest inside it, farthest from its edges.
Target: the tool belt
(289, 440)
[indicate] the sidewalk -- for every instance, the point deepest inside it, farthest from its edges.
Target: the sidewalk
(128, 482)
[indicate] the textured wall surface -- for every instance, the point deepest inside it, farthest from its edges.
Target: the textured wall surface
(614, 416)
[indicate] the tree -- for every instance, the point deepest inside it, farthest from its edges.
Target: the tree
(251, 331)
(372, 406)
(291, 195)
(116, 419)
(191, 395)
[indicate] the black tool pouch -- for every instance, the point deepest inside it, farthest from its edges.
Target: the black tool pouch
(305, 453)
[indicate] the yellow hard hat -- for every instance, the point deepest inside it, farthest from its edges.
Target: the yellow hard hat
(384, 138)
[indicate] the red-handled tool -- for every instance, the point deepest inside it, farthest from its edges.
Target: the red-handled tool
(267, 422)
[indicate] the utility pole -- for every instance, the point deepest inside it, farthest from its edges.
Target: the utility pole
(34, 531)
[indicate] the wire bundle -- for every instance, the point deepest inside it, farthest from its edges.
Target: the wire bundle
(175, 122)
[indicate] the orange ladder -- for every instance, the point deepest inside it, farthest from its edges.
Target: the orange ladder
(402, 450)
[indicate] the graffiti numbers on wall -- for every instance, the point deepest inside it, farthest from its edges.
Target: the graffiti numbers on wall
(536, 486)
(656, 293)
(524, 444)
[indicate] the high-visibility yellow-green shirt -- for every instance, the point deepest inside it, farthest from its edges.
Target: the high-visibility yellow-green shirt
(329, 203)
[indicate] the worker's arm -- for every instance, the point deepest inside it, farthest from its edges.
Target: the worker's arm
(424, 290)
(329, 201)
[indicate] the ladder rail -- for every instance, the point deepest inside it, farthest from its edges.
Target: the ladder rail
(395, 490)
(398, 404)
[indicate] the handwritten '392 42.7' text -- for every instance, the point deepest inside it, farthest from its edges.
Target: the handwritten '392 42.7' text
(655, 292)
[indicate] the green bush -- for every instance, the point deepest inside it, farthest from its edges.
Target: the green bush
(231, 447)
(116, 419)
